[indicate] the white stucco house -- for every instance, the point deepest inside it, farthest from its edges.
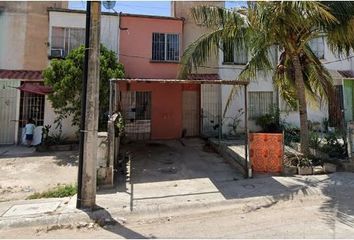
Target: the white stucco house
(31, 37)
(262, 93)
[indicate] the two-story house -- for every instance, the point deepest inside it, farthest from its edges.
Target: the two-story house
(263, 95)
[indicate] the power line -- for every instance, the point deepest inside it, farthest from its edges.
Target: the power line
(339, 60)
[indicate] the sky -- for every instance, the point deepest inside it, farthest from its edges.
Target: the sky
(161, 8)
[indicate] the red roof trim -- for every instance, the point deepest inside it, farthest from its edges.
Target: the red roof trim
(198, 76)
(21, 74)
(347, 74)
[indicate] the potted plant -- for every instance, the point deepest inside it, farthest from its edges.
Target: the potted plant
(267, 147)
(304, 166)
(290, 167)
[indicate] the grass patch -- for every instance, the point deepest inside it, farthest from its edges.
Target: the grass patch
(60, 191)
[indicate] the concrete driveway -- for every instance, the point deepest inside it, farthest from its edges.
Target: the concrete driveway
(175, 160)
(170, 172)
(180, 174)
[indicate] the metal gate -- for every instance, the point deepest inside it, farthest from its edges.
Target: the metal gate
(32, 106)
(136, 110)
(190, 113)
(210, 105)
(9, 110)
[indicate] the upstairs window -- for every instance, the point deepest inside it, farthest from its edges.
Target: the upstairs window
(165, 47)
(317, 46)
(235, 55)
(65, 39)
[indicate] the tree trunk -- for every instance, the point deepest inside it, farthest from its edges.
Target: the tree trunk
(300, 91)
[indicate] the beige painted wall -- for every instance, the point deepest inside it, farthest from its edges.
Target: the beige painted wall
(191, 31)
(26, 47)
(12, 42)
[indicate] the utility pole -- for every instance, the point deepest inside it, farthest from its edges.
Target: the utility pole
(86, 197)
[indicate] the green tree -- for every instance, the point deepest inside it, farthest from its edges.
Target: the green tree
(65, 77)
(289, 25)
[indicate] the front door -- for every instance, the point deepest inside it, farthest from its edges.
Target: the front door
(9, 109)
(190, 108)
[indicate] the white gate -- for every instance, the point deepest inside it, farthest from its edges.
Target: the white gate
(9, 111)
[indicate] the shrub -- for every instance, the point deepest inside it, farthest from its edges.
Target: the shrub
(315, 140)
(65, 77)
(270, 122)
(291, 134)
(334, 145)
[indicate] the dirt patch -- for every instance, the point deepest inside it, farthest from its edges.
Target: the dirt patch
(22, 176)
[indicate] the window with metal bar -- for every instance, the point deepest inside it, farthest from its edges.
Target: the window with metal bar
(235, 54)
(66, 39)
(165, 47)
(32, 106)
(260, 103)
(143, 106)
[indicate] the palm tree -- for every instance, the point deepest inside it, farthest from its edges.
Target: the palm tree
(288, 25)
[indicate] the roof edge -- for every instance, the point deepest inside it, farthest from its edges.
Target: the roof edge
(51, 9)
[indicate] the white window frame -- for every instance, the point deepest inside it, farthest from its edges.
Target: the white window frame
(67, 30)
(165, 47)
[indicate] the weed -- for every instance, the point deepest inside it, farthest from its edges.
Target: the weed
(60, 191)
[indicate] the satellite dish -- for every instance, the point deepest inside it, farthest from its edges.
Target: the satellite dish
(109, 4)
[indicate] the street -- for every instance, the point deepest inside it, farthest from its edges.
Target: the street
(303, 217)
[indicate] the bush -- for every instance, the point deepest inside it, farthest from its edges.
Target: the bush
(58, 192)
(315, 140)
(333, 146)
(270, 122)
(65, 77)
(291, 134)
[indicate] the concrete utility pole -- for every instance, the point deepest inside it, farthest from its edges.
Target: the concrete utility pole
(88, 151)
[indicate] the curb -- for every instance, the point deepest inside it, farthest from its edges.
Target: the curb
(157, 211)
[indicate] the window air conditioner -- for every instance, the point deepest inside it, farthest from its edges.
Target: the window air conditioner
(57, 52)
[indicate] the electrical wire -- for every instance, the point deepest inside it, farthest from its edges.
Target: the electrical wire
(339, 60)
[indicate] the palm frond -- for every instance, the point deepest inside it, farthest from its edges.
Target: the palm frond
(216, 17)
(227, 27)
(198, 52)
(233, 92)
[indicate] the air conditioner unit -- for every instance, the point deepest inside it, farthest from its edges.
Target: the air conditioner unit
(57, 52)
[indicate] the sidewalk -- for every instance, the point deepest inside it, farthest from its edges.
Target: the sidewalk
(16, 151)
(150, 200)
